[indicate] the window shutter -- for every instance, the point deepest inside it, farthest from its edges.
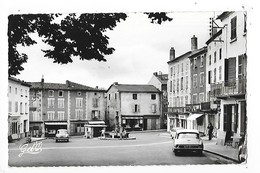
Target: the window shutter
(138, 108)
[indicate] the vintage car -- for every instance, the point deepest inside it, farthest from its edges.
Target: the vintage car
(173, 131)
(62, 135)
(187, 140)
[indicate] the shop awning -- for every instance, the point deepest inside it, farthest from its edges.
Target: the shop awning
(194, 116)
(55, 123)
(95, 125)
(96, 122)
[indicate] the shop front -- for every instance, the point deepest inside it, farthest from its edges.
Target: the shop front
(196, 121)
(77, 127)
(133, 123)
(182, 120)
(52, 127)
(14, 127)
(36, 129)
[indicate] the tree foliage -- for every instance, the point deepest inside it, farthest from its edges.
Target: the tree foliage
(80, 35)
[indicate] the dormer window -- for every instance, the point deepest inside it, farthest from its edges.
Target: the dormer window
(79, 93)
(51, 93)
(233, 28)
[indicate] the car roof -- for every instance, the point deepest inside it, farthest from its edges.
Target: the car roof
(187, 131)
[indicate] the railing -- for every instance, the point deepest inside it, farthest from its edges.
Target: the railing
(228, 88)
(177, 109)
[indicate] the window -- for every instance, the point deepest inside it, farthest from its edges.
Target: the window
(202, 79)
(108, 96)
(135, 96)
(10, 106)
(201, 97)
(50, 115)
(79, 93)
(21, 107)
(201, 61)
(21, 92)
(16, 106)
(153, 108)
(181, 101)
(209, 59)
(245, 17)
(181, 83)
(186, 100)
(115, 96)
(178, 85)
(60, 93)
(220, 53)
(15, 90)
(220, 69)
(240, 66)
(136, 108)
(187, 83)
(10, 89)
(173, 86)
(233, 28)
(25, 108)
(194, 98)
(60, 103)
(195, 63)
(95, 102)
(215, 57)
(153, 96)
(60, 115)
(51, 93)
(209, 77)
(171, 71)
(194, 80)
(170, 86)
(178, 69)
(79, 102)
(50, 102)
(182, 67)
(215, 75)
(26, 94)
(79, 114)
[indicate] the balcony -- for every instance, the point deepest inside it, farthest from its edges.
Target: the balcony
(177, 109)
(231, 88)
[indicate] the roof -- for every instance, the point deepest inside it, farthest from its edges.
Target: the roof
(198, 52)
(224, 15)
(135, 88)
(19, 81)
(163, 78)
(179, 57)
(68, 86)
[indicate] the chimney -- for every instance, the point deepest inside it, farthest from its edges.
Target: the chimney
(172, 54)
(115, 83)
(96, 87)
(194, 43)
(42, 81)
(155, 73)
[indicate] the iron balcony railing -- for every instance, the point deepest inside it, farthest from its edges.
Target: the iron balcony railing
(177, 109)
(228, 88)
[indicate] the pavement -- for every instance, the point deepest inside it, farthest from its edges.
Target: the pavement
(227, 152)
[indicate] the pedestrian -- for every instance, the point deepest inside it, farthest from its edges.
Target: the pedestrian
(103, 132)
(210, 130)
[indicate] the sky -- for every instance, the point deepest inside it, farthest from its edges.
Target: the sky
(141, 48)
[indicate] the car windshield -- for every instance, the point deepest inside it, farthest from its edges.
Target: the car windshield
(188, 135)
(62, 131)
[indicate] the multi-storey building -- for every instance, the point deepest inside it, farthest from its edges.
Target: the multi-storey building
(18, 112)
(198, 118)
(230, 90)
(134, 107)
(179, 86)
(160, 80)
(68, 106)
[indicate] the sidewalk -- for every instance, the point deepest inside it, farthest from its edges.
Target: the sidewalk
(227, 152)
(23, 141)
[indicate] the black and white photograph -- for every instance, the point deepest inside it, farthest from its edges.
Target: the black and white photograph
(149, 88)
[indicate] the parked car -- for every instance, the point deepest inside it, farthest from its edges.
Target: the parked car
(173, 131)
(242, 151)
(187, 140)
(62, 135)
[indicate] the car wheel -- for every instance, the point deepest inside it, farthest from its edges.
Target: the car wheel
(200, 153)
(68, 140)
(177, 153)
(57, 140)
